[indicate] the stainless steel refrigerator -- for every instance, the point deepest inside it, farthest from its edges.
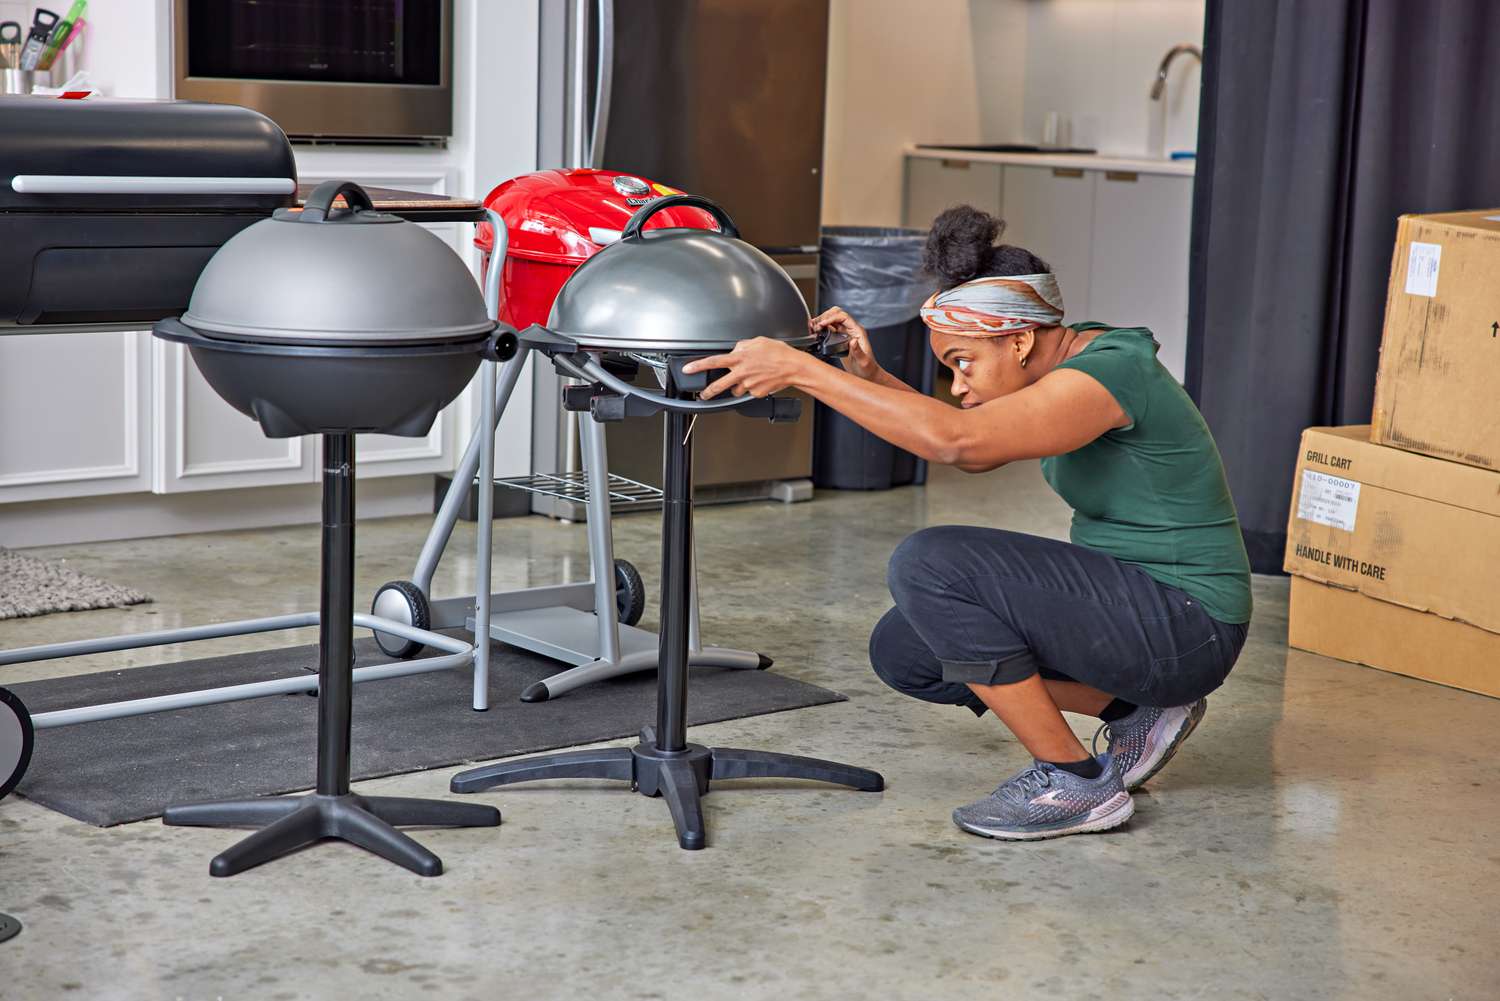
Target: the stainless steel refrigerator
(723, 98)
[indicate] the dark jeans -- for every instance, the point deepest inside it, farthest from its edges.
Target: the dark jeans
(983, 606)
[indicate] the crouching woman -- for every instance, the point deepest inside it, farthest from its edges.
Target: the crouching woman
(1134, 621)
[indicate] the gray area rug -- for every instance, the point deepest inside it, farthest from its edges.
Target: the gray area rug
(123, 770)
(29, 586)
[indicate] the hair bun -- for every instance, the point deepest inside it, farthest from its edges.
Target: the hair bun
(960, 244)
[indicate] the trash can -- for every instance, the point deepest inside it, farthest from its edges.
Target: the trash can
(873, 273)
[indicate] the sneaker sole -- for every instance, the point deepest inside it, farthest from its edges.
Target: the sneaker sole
(1189, 724)
(1110, 814)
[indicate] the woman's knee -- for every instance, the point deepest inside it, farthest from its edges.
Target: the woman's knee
(923, 558)
(901, 660)
(889, 657)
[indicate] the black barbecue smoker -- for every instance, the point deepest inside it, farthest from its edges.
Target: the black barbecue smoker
(109, 209)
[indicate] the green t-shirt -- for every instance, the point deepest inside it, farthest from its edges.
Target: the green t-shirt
(1153, 493)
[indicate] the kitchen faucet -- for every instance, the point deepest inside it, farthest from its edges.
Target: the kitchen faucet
(1160, 84)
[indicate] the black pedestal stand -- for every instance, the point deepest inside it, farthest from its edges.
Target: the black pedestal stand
(332, 811)
(664, 763)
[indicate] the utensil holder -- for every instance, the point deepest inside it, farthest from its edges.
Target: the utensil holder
(21, 81)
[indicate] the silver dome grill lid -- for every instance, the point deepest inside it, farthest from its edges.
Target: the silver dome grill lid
(679, 291)
(355, 278)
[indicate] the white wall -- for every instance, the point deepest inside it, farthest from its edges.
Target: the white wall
(900, 72)
(1094, 61)
(128, 47)
(965, 71)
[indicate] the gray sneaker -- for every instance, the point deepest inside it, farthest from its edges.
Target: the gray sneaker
(1144, 741)
(1045, 801)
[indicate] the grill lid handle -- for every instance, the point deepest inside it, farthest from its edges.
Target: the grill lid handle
(637, 222)
(319, 204)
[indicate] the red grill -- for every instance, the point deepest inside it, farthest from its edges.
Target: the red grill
(556, 220)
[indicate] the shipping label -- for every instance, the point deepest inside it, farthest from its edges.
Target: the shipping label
(1422, 269)
(1328, 500)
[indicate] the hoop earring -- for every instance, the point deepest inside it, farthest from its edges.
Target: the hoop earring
(1025, 360)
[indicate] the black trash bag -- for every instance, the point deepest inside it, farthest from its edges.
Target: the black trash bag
(874, 274)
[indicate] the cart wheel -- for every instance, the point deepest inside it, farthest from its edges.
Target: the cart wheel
(401, 601)
(630, 592)
(16, 736)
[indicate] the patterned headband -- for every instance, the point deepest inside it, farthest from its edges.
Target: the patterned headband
(995, 306)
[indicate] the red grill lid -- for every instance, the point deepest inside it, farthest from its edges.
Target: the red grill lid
(567, 216)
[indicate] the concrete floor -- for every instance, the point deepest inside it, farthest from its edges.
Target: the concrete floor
(1328, 833)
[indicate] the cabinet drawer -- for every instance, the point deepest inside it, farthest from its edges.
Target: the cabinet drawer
(75, 415)
(935, 185)
(1142, 227)
(1049, 211)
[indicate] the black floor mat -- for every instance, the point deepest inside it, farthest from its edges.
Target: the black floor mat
(122, 770)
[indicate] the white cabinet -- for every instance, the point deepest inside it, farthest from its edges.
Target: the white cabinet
(1142, 227)
(114, 413)
(1049, 211)
(75, 415)
(933, 185)
(202, 443)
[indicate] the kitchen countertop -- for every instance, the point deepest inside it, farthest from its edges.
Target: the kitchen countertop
(1085, 161)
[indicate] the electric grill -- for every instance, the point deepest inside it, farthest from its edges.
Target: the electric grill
(316, 322)
(669, 297)
(313, 322)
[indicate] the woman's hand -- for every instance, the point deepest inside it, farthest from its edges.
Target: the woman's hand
(759, 367)
(861, 359)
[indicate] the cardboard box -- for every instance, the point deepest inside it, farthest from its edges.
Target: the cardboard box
(1440, 353)
(1347, 625)
(1409, 533)
(1397, 526)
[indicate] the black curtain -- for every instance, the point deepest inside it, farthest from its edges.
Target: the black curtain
(1321, 121)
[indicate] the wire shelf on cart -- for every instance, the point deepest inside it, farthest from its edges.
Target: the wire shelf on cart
(625, 494)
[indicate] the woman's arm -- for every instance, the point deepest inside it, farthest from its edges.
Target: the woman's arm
(884, 378)
(860, 358)
(1060, 412)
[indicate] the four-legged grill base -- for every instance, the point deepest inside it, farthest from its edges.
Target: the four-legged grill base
(680, 777)
(664, 763)
(293, 822)
(332, 811)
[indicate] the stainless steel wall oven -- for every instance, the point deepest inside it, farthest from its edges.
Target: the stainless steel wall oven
(344, 70)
